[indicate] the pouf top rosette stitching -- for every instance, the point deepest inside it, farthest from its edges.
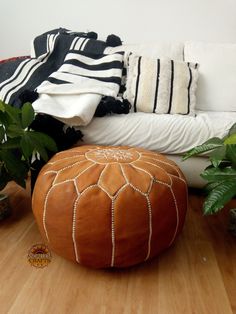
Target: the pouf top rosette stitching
(109, 206)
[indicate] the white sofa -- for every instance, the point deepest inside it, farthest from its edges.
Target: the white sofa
(171, 134)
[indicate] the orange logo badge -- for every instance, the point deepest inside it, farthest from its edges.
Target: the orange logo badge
(39, 256)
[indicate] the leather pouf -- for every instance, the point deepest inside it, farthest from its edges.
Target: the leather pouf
(109, 206)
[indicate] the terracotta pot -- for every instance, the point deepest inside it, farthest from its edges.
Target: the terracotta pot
(4, 206)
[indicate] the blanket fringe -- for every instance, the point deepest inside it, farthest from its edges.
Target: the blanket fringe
(110, 105)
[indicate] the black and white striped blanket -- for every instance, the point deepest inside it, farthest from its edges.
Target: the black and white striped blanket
(70, 73)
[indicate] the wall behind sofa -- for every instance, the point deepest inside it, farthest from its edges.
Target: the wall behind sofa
(133, 20)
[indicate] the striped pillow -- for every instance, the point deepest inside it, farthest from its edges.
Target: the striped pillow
(161, 85)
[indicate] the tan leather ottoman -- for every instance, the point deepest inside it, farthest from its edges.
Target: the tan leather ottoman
(109, 206)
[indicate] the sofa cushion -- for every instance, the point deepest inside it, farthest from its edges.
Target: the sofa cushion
(217, 74)
(166, 133)
(161, 85)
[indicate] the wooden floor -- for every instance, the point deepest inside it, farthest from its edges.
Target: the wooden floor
(197, 275)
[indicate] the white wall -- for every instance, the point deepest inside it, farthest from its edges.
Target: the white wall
(132, 20)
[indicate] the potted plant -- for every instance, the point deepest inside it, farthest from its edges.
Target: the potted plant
(221, 172)
(18, 144)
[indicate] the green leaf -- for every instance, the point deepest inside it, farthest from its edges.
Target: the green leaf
(217, 155)
(214, 140)
(210, 186)
(13, 113)
(218, 174)
(2, 106)
(231, 139)
(45, 140)
(209, 145)
(232, 130)
(231, 153)
(38, 146)
(219, 196)
(42, 151)
(16, 168)
(27, 116)
(2, 133)
(11, 143)
(14, 131)
(27, 146)
(4, 119)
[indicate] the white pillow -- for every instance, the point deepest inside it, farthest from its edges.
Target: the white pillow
(172, 50)
(217, 75)
(161, 85)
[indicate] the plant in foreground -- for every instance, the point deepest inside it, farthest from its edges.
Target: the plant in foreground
(18, 143)
(221, 173)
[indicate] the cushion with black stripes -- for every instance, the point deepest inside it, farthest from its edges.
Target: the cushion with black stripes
(161, 85)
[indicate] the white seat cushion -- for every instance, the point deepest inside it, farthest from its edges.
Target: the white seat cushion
(168, 134)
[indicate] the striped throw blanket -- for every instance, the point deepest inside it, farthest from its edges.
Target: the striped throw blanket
(70, 73)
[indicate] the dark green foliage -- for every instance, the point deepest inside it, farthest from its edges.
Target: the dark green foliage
(221, 174)
(18, 143)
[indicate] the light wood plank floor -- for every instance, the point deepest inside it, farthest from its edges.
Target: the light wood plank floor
(196, 275)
